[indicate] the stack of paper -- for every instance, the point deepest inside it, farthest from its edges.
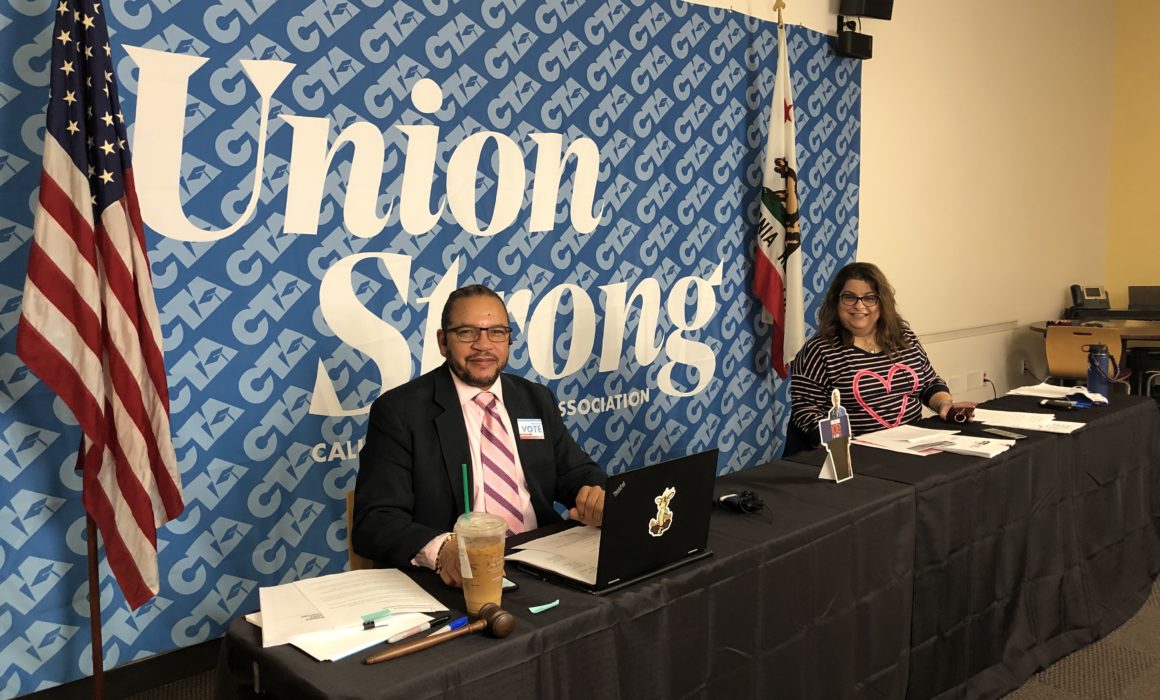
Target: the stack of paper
(340, 643)
(1020, 420)
(1050, 391)
(908, 439)
(973, 446)
(324, 616)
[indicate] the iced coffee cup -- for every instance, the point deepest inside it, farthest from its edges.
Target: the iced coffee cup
(480, 537)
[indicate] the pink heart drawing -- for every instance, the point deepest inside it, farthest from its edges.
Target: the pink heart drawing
(888, 383)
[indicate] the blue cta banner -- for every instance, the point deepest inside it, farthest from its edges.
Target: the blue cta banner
(315, 179)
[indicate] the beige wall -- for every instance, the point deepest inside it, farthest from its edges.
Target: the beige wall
(986, 157)
(1133, 232)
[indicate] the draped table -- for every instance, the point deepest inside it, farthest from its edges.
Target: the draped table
(809, 598)
(1028, 556)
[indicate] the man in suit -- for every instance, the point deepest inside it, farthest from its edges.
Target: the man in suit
(409, 490)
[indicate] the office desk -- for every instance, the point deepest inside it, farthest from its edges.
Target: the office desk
(1130, 329)
(1029, 556)
(1142, 359)
(810, 599)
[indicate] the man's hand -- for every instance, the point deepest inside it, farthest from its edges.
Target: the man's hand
(449, 562)
(589, 505)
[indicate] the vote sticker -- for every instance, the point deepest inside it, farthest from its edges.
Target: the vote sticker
(530, 428)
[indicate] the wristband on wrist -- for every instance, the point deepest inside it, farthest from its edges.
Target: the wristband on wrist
(439, 555)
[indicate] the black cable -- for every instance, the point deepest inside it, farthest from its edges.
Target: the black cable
(994, 391)
(743, 502)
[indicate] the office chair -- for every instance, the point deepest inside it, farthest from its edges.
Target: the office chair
(1144, 297)
(356, 562)
(1067, 355)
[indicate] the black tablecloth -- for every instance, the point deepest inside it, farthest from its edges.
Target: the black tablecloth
(1028, 556)
(943, 576)
(810, 599)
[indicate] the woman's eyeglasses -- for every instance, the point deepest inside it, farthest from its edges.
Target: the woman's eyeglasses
(851, 299)
(470, 334)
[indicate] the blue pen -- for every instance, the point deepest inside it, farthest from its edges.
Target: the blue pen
(451, 626)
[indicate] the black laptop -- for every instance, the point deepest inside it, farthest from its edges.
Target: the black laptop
(655, 519)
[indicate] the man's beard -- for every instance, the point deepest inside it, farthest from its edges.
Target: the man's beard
(476, 380)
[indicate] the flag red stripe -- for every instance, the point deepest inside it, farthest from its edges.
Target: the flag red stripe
(130, 487)
(60, 375)
(57, 288)
(129, 393)
(57, 204)
(130, 379)
(97, 504)
(154, 357)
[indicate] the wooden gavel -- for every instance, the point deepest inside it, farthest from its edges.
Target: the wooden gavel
(496, 620)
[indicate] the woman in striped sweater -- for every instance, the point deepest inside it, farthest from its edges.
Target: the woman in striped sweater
(868, 352)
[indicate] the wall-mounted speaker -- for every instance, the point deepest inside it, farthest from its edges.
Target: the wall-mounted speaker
(875, 9)
(854, 45)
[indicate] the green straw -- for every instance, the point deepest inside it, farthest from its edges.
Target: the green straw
(466, 497)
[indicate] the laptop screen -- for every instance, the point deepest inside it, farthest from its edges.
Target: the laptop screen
(656, 516)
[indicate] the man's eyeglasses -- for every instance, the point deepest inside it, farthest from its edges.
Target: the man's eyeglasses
(470, 334)
(852, 299)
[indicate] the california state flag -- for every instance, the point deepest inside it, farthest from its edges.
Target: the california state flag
(777, 276)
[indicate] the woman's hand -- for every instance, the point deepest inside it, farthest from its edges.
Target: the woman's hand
(957, 411)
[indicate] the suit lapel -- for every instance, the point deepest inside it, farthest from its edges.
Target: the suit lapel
(452, 435)
(519, 405)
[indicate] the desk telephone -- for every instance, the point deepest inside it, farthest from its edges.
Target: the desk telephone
(1089, 297)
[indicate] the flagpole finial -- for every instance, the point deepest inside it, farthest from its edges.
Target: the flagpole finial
(779, 5)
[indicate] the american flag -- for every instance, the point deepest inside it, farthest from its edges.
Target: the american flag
(88, 324)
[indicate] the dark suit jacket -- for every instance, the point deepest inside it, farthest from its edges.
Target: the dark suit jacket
(410, 476)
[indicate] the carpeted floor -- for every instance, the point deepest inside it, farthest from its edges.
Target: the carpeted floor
(1125, 665)
(199, 687)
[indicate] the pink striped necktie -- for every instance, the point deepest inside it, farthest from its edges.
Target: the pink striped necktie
(501, 492)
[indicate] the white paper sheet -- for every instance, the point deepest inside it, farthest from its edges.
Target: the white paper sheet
(339, 644)
(580, 542)
(559, 563)
(907, 439)
(1050, 391)
(1059, 426)
(337, 602)
(573, 553)
(1044, 422)
(973, 446)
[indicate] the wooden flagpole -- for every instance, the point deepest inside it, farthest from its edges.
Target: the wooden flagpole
(95, 612)
(98, 646)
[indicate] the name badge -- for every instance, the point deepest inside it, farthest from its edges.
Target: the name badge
(530, 428)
